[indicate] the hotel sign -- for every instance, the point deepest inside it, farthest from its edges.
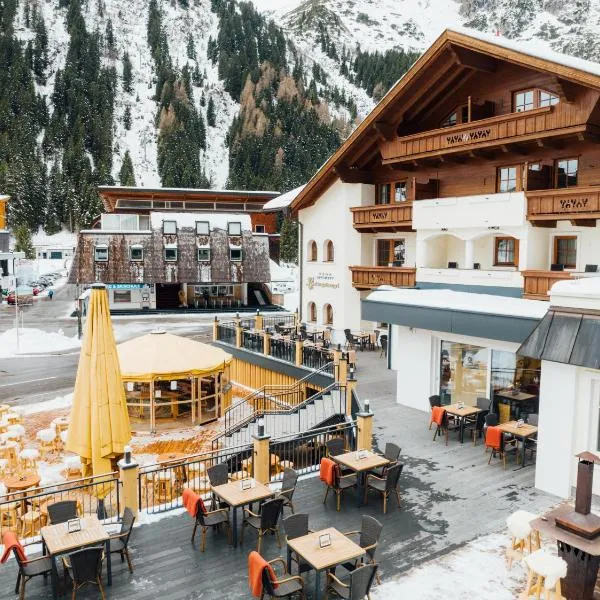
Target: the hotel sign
(323, 279)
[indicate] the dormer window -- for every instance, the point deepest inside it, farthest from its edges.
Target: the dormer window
(535, 98)
(202, 228)
(169, 227)
(234, 228)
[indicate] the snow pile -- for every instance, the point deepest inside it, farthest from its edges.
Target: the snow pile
(35, 341)
(62, 240)
(58, 403)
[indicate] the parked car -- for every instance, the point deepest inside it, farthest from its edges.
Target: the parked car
(24, 295)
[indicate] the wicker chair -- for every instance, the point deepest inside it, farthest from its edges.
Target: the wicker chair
(385, 485)
(296, 526)
(341, 483)
(61, 512)
(392, 453)
(209, 520)
(30, 569)
(368, 538)
(265, 521)
(288, 487)
(218, 475)
(355, 586)
(85, 567)
(281, 588)
(335, 446)
(119, 542)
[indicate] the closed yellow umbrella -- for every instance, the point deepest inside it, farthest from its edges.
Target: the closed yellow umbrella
(99, 426)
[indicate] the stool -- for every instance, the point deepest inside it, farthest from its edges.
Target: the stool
(521, 536)
(46, 437)
(73, 467)
(31, 523)
(9, 517)
(163, 486)
(9, 453)
(200, 485)
(547, 570)
(29, 458)
(13, 418)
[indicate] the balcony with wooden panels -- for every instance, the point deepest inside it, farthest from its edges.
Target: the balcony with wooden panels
(502, 130)
(383, 217)
(367, 278)
(537, 284)
(579, 204)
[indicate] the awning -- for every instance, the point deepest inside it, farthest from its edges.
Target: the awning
(568, 336)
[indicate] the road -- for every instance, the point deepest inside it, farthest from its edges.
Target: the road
(39, 377)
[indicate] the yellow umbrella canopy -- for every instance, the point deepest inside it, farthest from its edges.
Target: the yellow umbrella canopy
(167, 356)
(99, 427)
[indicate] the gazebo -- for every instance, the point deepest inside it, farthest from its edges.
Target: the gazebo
(170, 380)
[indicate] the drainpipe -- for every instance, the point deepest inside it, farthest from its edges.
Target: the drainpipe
(300, 262)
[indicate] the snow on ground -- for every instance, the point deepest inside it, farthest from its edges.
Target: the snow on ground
(33, 341)
(58, 403)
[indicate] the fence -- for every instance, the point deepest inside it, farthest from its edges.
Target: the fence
(316, 358)
(96, 495)
(254, 341)
(285, 320)
(304, 451)
(248, 323)
(283, 350)
(226, 333)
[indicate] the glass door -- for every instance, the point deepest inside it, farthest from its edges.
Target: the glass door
(463, 373)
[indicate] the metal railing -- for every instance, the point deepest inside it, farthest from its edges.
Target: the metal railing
(226, 333)
(248, 323)
(317, 358)
(254, 341)
(283, 350)
(99, 496)
(286, 320)
(304, 451)
(161, 485)
(356, 404)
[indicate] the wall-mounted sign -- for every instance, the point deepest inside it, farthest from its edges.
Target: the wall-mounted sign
(323, 279)
(125, 286)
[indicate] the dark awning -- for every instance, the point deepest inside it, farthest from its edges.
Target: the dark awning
(566, 336)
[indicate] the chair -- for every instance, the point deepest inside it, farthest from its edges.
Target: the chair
(351, 341)
(370, 530)
(523, 538)
(335, 446)
(453, 265)
(383, 340)
(288, 487)
(557, 267)
(339, 484)
(434, 401)
(476, 425)
(265, 521)
(85, 567)
(355, 586)
(591, 268)
(218, 475)
(212, 519)
(491, 420)
(119, 542)
(494, 441)
(533, 419)
(385, 485)
(443, 423)
(29, 568)
(287, 586)
(548, 569)
(61, 512)
(296, 526)
(392, 453)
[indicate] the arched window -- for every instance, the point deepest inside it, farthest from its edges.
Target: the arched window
(312, 312)
(328, 251)
(327, 315)
(312, 251)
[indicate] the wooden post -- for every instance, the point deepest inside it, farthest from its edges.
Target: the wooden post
(296, 319)
(152, 419)
(259, 323)
(238, 331)
(192, 381)
(342, 369)
(128, 475)
(215, 329)
(350, 387)
(299, 353)
(267, 343)
(364, 422)
(261, 459)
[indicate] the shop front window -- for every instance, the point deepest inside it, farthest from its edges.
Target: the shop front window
(463, 373)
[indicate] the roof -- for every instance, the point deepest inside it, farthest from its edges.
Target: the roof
(478, 315)
(116, 189)
(161, 354)
(215, 220)
(4, 197)
(284, 200)
(520, 53)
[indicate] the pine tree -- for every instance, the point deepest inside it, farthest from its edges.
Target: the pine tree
(23, 241)
(40, 51)
(203, 99)
(289, 241)
(127, 118)
(210, 113)
(126, 174)
(110, 36)
(191, 48)
(127, 73)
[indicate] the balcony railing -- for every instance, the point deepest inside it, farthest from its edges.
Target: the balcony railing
(383, 217)
(536, 284)
(367, 278)
(576, 203)
(510, 128)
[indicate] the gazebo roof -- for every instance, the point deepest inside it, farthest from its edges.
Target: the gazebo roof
(163, 355)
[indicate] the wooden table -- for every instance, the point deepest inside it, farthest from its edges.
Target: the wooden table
(341, 550)
(57, 540)
(364, 337)
(582, 556)
(524, 432)
(61, 424)
(235, 496)
(512, 398)
(360, 466)
(462, 414)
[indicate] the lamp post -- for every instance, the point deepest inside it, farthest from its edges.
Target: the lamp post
(15, 257)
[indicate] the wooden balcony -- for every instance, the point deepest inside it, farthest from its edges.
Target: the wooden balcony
(383, 217)
(536, 284)
(512, 128)
(580, 205)
(367, 278)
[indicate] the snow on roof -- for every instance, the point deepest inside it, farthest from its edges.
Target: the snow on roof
(461, 301)
(62, 239)
(188, 190)
(586, 287)
(279, 273)
(216, 220)
(284, 200)
(4, 197)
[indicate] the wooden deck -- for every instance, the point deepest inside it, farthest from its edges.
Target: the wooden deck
(450, 496)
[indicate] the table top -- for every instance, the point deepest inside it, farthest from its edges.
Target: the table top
(519, 397)
(21, 483)
(524, 431)
(171, 457)
(58, 539)
(371, 461)
(465, 411)
(234, 495)
(550, 529)
(342, 549)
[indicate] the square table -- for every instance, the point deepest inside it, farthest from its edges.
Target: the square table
(341, 550)
(513, 397)
(57, 540)
(524, 432)
(235, 496)
(462, 414)
(360, 466)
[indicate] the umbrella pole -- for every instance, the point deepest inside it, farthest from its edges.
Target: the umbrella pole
(193, 400)
(152, 415)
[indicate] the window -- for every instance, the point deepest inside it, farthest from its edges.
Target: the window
(566, 172)
(203, 254)
(328, 315)
(565, 251)
(463, 373)
(170, 254)
(400, 191)
(312, 312)
(259, 229)
(312, 251)
(450, 120)
(55, 254)
(507, 179)
(235, 254)
(391, 253)
(101, 253)
(202, 228)
(383, 193)
(459, 115)
(534, 98)
(548, 99)
(169, 227)
(136, 253)
(524, 101)
(121, 296)
(234, 228)
(506, 251)
(329, 255)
